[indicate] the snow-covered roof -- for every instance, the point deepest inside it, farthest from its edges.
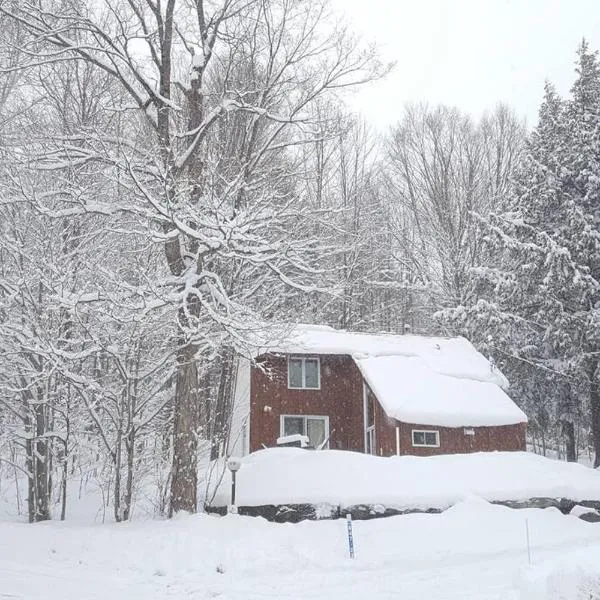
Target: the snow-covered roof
(410, 390)
(417, 379)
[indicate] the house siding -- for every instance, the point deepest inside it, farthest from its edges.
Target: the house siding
(454, 441)
(340, 398)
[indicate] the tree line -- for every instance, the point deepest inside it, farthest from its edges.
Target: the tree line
(178, 177)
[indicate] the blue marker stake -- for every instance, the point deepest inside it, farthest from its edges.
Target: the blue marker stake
(350, 538)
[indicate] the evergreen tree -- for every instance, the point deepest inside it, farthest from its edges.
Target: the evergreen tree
(538, 280)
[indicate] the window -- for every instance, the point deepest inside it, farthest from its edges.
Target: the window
(304, 373)
(429, 439)
(371, 447)
(315, 428)
(369, 407)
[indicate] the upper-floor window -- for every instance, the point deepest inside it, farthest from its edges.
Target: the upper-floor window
(304, 373)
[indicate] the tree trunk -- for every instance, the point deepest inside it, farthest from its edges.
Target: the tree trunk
(130, 448)
(65, 460)
(186, 407)
(63, 490)
(117, 488)
(16, 476)
(37, 464)
(184, 480)
(595, 409)
(221, 418)
(30, 479)
(568, 431)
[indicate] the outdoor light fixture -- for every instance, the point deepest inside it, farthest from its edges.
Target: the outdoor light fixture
(234, 465)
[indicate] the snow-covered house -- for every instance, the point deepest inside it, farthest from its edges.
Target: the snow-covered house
(376, 393)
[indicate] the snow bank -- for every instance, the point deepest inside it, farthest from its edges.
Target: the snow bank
(296, 476)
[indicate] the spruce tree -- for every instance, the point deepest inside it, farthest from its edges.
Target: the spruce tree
(539, 278)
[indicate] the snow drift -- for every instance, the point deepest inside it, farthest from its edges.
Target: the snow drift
(294, 476)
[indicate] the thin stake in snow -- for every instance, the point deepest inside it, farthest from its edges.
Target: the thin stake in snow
(234, 465)
(528, 540)
(350, 537)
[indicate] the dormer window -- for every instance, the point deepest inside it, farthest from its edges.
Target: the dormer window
(304, 373)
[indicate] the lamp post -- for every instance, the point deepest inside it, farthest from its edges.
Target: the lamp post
(234, 465)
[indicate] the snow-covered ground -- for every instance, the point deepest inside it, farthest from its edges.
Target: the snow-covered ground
(473, 551)
(292, 475)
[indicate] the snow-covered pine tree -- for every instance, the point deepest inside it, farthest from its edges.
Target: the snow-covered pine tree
(581, 181)
(538, 295)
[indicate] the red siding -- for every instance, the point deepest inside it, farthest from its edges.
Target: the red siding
(341, 399)
(454, 441)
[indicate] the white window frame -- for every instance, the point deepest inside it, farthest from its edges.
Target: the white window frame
(437, 438)
(370, 433)
(304, 359)
(304, 417)
(371, 443)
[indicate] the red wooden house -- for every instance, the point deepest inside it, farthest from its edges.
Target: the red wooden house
(376, 393)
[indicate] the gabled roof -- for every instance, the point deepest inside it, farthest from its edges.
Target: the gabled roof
(417, 379)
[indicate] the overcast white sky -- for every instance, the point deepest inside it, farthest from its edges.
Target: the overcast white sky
(471, 53)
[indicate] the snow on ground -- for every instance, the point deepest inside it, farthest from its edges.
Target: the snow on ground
(87, 501)
(572, 576)
(292, 475)
(474, 551)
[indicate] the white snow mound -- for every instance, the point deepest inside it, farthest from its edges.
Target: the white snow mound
(575, 576)
(293, 475)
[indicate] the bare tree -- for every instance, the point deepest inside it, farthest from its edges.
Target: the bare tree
(443, 169)
(175, 63)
